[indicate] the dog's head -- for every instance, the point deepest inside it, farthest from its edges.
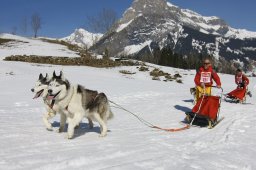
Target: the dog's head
(41, 86)
(58, 87)
(193, 90)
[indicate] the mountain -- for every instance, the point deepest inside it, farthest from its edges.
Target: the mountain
(149, 25)
(82, 38)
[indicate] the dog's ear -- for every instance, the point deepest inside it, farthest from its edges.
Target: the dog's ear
(54, 74)
(40, 76)
(62, 76)
(47, 77)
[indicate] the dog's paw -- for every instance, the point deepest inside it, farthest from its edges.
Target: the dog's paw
(69, 136)
(49, 129)
(60, 130)
(102, 135)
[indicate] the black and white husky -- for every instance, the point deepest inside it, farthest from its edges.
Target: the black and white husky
(76, 102)
(41, 90)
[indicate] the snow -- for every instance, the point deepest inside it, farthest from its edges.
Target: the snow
(203, 22)
(249, 48)
(31, 46)
(239, 62)
(135, 48)
(26, 144)
(203, 31)
(123, 26)
(240, 33)
(171, 5)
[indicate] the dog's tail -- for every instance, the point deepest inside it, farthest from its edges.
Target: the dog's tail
(103, 106)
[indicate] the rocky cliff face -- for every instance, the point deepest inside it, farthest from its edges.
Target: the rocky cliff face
(148, 25)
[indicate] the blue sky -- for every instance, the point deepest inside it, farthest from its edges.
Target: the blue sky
(61, 17)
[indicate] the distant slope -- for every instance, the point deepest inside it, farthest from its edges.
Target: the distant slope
(30, 46)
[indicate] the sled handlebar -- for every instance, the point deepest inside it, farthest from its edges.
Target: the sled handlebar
(218, 88)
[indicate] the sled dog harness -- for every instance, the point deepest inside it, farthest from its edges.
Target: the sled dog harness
(157, 127)
(150, 124)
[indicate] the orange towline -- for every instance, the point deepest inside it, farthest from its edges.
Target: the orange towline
(172, 129)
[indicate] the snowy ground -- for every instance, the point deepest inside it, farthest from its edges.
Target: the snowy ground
(26, 144)
(31, 46)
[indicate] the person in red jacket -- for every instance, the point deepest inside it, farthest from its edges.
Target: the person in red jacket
(204, 79)
(242, 81)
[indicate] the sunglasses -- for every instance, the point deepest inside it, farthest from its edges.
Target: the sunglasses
(206, 63)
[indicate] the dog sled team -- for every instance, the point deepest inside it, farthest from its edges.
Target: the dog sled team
(207, 106)
(74, 102)
(204, 80)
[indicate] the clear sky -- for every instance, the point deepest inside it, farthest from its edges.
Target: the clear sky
(61, 17)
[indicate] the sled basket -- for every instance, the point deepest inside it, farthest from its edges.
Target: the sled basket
(236, 96)
(206, 110)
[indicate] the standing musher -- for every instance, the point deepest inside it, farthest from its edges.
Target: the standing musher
(203, 79)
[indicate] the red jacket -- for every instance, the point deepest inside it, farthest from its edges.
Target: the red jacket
(205, 76)
(241, 79)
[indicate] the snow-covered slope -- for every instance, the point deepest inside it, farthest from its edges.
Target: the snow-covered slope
(30, 46)
(26, 144)
(82, 38)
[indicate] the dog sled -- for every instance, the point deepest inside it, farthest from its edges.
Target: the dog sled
(206, 111)
(238, 95)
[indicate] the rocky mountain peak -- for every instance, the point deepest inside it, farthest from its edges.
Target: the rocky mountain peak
(151, 25)
(146, 6)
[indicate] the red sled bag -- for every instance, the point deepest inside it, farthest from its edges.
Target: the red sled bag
(238, 93)
(209, 107)
(206, 111)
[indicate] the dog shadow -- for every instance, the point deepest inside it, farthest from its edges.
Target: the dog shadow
(81, 130)
(189, 101)
(182, 108)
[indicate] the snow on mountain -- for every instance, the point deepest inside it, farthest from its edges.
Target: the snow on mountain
(82, 38)
(26, 144)
(30, 46)
(209, 24)
(186, 32)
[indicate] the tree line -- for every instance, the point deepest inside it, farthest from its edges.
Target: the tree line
(167, 57)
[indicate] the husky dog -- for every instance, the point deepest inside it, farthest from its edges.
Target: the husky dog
(193, 92)
(76, 102)
(41, 90)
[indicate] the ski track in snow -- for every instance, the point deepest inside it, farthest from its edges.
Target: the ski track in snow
(26, 144)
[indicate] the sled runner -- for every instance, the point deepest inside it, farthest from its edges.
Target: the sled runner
(238, 95)
(206, 111)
